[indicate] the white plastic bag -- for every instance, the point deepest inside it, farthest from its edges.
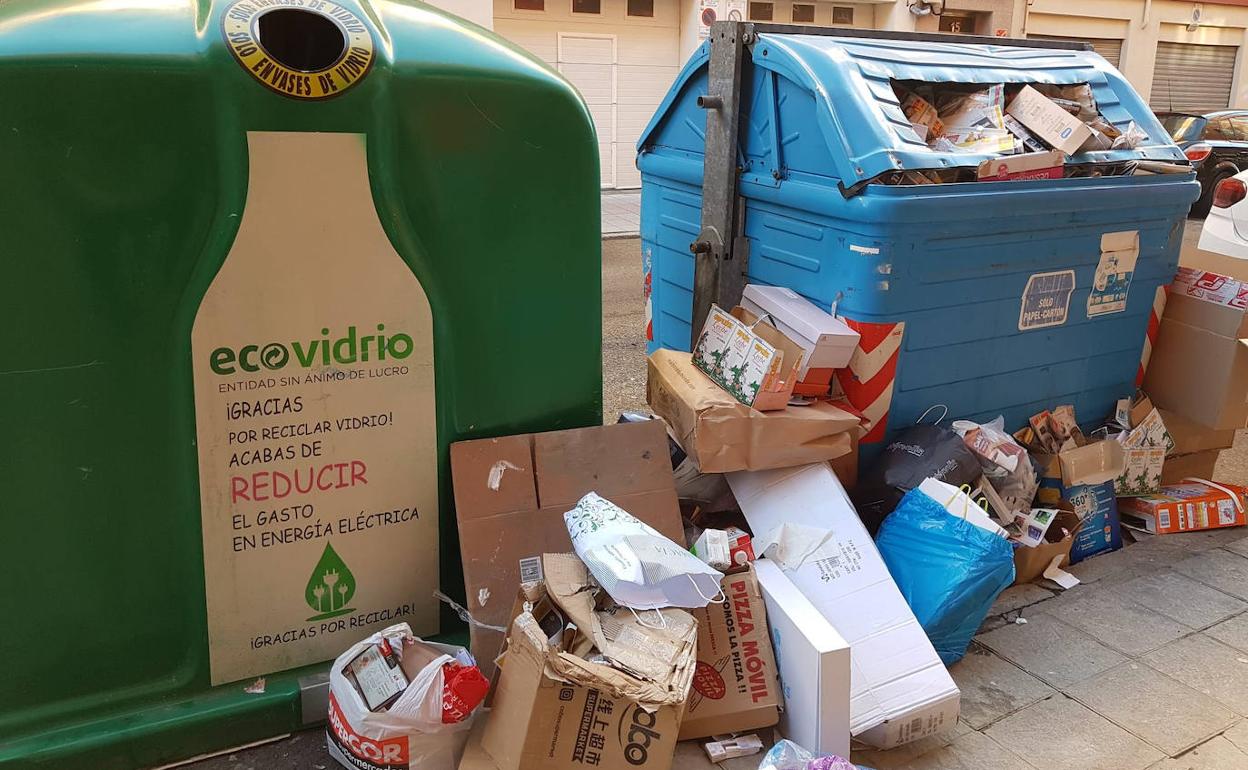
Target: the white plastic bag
(410, 734)
(636, 565)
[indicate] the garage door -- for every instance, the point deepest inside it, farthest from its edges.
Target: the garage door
(1108, 47)
(622, 65)
(1193, 78)
(588, 62)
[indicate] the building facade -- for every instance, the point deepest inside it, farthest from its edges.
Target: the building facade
(624, 54)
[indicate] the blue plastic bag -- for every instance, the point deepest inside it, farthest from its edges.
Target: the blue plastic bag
(949, 570)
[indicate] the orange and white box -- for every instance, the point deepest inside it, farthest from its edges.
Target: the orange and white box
(1187, 507)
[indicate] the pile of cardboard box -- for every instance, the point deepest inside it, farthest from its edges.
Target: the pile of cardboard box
(746, 464)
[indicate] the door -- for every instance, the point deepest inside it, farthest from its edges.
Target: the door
(1193, 78)
(589, 62)
(1108, 47)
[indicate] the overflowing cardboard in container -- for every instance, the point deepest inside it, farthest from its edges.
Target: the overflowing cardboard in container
(511, 494)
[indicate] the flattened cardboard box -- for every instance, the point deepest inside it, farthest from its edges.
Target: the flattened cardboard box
(1198, 465)
(723, 435)
(734, 684)
(511, 494)
(1199, 364)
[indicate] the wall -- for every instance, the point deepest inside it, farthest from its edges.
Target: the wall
(477, 11)
(1141, 30)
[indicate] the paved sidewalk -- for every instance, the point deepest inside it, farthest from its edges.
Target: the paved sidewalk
(1144, 666)
(621, 214)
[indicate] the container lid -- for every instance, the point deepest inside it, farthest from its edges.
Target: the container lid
(860, 118)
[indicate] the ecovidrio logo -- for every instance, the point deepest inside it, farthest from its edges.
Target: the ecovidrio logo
(347, 349)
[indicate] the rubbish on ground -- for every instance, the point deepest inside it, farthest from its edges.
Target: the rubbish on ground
(1145, 442)
(722, 435)
(828, 341)
(396, 698)
(1031, 562)
(921, 451)
(1005, 463)
(1020, 621)
(639, 568)
(787, 755)
(734, 684)
(1190, 437)
(960, 503)
(609, 692)
(1199, 364)
(1034, 525)
(1047, 120)
(748, 357)
(731, 748)
(1191, 505)
(949, 570)
(503, 532)
(1096, 505)
(898, 679)
(1058, 575)
(728, 550)
(814, 665)
(1034, 165)
(1199, 465)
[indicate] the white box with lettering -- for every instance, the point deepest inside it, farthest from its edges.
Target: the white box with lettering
(900, 691)
(814, 666)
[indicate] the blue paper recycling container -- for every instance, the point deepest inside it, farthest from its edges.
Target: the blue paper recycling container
(987, 297)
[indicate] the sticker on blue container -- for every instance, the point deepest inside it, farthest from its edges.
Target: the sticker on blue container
(1113, 273)
(1046, 300)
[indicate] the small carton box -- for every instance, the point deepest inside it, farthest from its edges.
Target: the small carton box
(1187, 507)
(511, 493)
(748, 357)
(900, 690)
(556, 709)
(1030, 562)
(721, 434)
(1199, 364)
(734, 685)
(828, 341)
(814, 663)
(1048, 121)
(1144, 449)
(1032, 165)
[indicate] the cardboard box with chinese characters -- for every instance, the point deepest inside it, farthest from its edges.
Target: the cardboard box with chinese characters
(557, 708)
(734, 685)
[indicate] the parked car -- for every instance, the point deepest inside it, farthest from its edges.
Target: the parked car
(1217, 145)
(1226, 228)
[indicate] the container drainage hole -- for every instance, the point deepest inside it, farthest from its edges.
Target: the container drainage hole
(301, 40)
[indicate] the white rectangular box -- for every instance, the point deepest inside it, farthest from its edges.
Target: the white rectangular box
(814, 664)
(900, 691)
(828, 341)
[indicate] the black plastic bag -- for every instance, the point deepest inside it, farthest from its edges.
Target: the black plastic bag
(920, 452)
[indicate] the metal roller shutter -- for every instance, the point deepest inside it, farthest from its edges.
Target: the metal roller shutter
(1108, 47)
(1193, 78)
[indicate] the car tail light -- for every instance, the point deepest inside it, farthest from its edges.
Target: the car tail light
(1198, 152)
(1229, 192)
